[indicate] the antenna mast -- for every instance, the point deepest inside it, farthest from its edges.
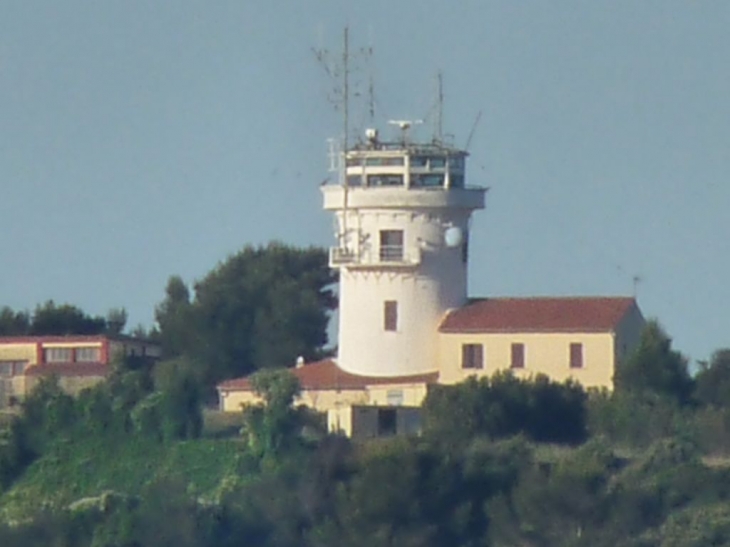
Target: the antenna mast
(438, 137)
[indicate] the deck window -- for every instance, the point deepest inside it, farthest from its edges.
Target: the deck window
(385, 180)
(429, 181)
(472, 356)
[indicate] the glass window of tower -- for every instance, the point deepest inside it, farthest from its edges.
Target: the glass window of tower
(385, 180)
(428, 180)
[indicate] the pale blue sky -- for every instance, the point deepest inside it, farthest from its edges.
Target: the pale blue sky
(141, 139)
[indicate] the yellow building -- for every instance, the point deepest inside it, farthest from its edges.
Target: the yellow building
(78, 361)
(581, 338)
(578, 338)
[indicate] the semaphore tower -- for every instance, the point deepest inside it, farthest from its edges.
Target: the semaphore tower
(402, 213)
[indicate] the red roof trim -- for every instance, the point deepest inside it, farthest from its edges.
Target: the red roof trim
(327, 375)
(539, 314)
(53, 339)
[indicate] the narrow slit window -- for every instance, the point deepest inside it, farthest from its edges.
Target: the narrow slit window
(518, 356)
(390, 315)
(576, 355)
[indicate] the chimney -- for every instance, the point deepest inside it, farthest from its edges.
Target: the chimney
(300, 362)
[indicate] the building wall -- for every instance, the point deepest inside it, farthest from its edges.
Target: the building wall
(327, 399)
(25, 351)
(628, 333)
(385, 395)
(546, 353)
(434, 282)
(319, 400)
(362, 422)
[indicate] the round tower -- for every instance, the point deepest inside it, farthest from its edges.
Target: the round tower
(402, 214)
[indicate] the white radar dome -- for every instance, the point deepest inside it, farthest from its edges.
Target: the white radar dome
(453, 236)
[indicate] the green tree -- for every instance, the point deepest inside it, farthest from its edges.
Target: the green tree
(14, 323)
(116, 320)
(174, 316)
(180, 399)
(262, 307)
(502, 406)
(712, 383)
(654, 367)
(272, 427)
(51, 319)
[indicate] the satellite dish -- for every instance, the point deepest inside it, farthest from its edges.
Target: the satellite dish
(453, 236)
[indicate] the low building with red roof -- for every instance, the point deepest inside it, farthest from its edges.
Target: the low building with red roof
(581, 338)
(578, 338)
(78, 361)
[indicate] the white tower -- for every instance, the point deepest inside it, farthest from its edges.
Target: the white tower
(402, 224)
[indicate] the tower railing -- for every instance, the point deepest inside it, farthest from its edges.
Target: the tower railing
(394, 256)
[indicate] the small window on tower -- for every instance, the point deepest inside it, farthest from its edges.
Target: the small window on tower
(390, 315)
(391, 245)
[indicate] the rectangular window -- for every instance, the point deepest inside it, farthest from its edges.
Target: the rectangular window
(391, 245)
(576, 355)
(12, 368)
(58, 355)
(385, 180)
(438, 162)
(427, 180)
(390, 315)
(518, 356)
(88, 355)
(394, 397)
(472, 356)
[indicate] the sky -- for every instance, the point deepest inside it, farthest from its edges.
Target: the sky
(140, 140)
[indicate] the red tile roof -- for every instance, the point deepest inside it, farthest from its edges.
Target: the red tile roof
(554, 314)
(327, 375)
(68, 369)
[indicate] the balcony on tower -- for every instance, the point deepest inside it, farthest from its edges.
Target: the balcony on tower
(385, 256)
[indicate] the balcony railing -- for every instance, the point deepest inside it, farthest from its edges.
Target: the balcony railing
(341, 257)
(391, 253)
(391, 256)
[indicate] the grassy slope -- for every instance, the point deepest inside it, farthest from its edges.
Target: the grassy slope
(71, 471)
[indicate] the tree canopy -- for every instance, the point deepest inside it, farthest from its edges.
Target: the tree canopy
(654, 367)
(50, 318)
(262, 307)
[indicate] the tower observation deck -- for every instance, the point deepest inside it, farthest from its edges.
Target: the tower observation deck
(402, 215)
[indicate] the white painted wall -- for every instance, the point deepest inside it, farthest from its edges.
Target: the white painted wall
(432, 279)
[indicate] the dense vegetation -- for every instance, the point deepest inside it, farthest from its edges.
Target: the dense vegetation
(135, 462)
(261, 308)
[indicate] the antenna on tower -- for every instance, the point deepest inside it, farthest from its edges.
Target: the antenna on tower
(341, 68)
(439, 129)
(473, 130)
(405, 126)
(636, 280)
